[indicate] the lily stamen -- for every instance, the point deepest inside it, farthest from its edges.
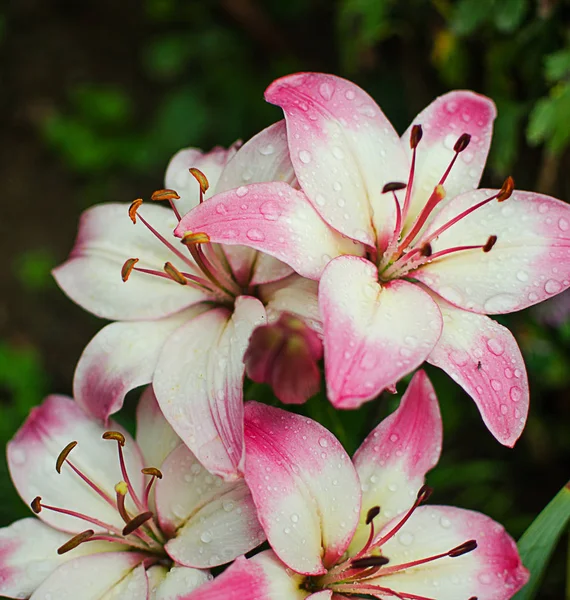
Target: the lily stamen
(169, 195)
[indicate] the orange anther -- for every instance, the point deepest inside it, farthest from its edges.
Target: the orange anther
(174, 274)
(152, 471)
(490, 243)
(36, 505)
(63, 455)
(133, 209)
(190, 238)
(128, 267)
(507, 189)
(164, 195)
(114, 435)
(200, 178)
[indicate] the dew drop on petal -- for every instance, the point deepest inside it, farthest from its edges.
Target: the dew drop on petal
(515, 393)
(495, 346)
(323, 442)
(522, 275)
(326, 90)
(305, 156)
(350, 95)
(255, 235)
(267, 150)
(241, 191)
(552, 286)
(206, 537)
(405, 538)
(270, 210)
(563, 224)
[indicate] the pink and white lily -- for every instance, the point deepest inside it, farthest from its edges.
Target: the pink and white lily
(432, 255)
(341, 529)
(110, 523)
(185, 312)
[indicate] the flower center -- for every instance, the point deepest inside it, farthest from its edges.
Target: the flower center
(360, 575)
(140, 532)
(405, 253)
(209, 270)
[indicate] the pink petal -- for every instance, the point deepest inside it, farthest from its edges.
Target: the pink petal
(343, 149)
(443, 122)
(484, 359)
(273, 218)
(263, 577)
(210, 522)
(121, 357)
(493, 571)
(33, 452)
(91, 276)
(393, 460)
(155, 435)
(529, 262)
(304, 486)
(264, 158)
(296, 295)
(176, 583)
(28, 555)
(179, 178)
(97, 577)
(374, 334)
(198, 383)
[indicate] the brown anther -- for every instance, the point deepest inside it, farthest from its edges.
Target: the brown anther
(200, 178)
(190, 238)
(369, 561)
(393, 186)
(507, 189)
(136, 522)
(416, 136)
(462, 549)
(462, 142)
(36, 505)
(490, 243)
(63, 456)
(128, 268)
(75, 541)
(174, 273)
(424, 493)
(372, 514)
(152, 471)
(164, 195)
(133, 209)
(426, 250)
(114, 435)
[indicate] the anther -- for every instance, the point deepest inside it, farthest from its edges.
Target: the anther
(426, 250)
(63, 456)
(415, 136)
(114, 435)
(462, 549)
(490, 243)
(190, 238)
(372, 514)
(424, 493)
(174, 273)
(36, 505)
(164, 195)
(369, 561)
(75, 541)
(394, 186)
(152, 471)
(136, 522)
(201, 179)
(462, 143)
(135, 204)
(128, 268)
(507, 189)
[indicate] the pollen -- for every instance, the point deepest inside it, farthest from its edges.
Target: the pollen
(190, 238)
(135, 204)
(114, 435)
(128, 267)
(63, 456)
(200, 178)
(159, 195)
(174, 274)
(507, 189)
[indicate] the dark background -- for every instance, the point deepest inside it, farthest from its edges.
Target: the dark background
(97, 95)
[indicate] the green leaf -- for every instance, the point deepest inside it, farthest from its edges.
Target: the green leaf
(509, 14)
(539, 540)
(557, 65)
(470, 14)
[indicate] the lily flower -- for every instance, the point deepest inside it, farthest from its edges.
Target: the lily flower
(111, 522)
(432, 255)
(341, 529)
(185, 312)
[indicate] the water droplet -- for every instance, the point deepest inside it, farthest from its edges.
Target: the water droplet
(221, 209)
(405, 538)
(451, 294)
(495, 346)
(451, 107)
(323, 442)
(501, 303)
(543, 208)
(563, 224)
(459, 357)
(255, 235)
(337, 186)
(466, 117)
(445, 522)
(484, 578)
(326, 90)
(337, 152)
(367, 110)
(206, 537)
(18, 456)
(350, 95)
(394, 438)
(305, 157)
(393, 487)
(241, 191)
(368, 361)
(515, 393)
(552, 286)
(270, 210)
(267, 150)
(496, 384)
(504, 409)
(522, 275)
(320, 200)
(295, 518)
(228, 505)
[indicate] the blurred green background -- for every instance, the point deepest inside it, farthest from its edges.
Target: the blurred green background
(97, 95)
